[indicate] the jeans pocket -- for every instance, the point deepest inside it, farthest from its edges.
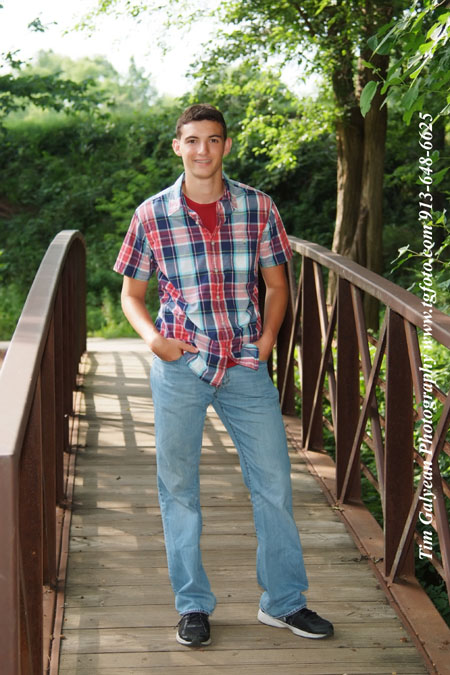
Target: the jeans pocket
(155, 356)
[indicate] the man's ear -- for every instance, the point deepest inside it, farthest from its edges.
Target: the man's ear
(176, 147)
(227, 147)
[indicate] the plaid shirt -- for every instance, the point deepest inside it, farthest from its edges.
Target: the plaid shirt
(207, 282)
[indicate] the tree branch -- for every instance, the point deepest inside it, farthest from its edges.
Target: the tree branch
(304, 17)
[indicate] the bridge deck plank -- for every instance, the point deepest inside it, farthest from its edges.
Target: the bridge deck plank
(119, 615)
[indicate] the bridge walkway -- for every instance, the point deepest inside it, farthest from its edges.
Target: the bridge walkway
(119, 616)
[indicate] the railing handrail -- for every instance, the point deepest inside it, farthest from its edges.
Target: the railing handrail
(37, 380)
(21, 365)
(397, 298)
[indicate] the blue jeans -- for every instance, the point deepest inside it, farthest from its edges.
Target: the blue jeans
(247, 403)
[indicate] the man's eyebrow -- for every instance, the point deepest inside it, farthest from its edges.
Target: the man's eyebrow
(193, 136)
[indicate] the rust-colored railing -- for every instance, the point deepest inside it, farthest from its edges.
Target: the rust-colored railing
(349, 377)
(37, 381)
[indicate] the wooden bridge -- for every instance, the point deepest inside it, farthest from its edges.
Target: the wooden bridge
(83, 578)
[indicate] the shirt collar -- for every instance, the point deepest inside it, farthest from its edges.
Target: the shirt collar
(229, 197)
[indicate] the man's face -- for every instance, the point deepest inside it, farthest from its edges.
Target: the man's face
(202, 147)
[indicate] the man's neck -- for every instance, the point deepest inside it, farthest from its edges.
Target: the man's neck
(203, 191)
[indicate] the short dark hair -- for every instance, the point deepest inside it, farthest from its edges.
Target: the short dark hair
(199, 112)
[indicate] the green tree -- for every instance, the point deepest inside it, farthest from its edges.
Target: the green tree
(269, 124)
(281, 144)
(78, 172)
(419, 42)
(133, 91)
(89, 173)
(20, 87)
(418, 81)
(329, 38)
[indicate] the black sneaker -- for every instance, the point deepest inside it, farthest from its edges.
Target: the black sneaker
(193, 630)
(305, 623)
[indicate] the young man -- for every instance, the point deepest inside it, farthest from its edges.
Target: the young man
(206, 237)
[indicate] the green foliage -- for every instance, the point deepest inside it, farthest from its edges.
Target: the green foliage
(281, 144)
(420, 70)
(74, 174)
(367, 95)
(326, 38)
(434, 586)
(413, 260)
(12, 298)
(90, 173)
(125, 93)
(19, 87)
(401, 204)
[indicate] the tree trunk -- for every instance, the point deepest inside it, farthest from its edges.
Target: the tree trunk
(367, 247)
(361, 147)
(350, 153)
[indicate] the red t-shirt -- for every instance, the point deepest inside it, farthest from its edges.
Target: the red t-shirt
(207, 213)
(208, 216)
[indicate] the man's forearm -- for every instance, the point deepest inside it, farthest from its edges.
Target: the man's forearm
(135, 309)
(137, 314)
(274, 311)
(277, 294)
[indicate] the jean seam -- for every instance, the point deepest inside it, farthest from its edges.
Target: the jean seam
(185, 601)
(285, 616)
(195, 611)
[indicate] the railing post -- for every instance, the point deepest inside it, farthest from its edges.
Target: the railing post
(74, 317)
(311, 356)
(30, 523)
(9, 580)
(81, 299)
(66, 352)
(49, 457)
(398, 460)
(59, 392)
(285, 362)
(347, 397)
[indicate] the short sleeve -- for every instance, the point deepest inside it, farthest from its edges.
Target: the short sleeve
(135, 257)
(275, 248)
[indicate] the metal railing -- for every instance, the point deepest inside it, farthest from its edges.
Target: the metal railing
(37, 381)
(349, 377)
